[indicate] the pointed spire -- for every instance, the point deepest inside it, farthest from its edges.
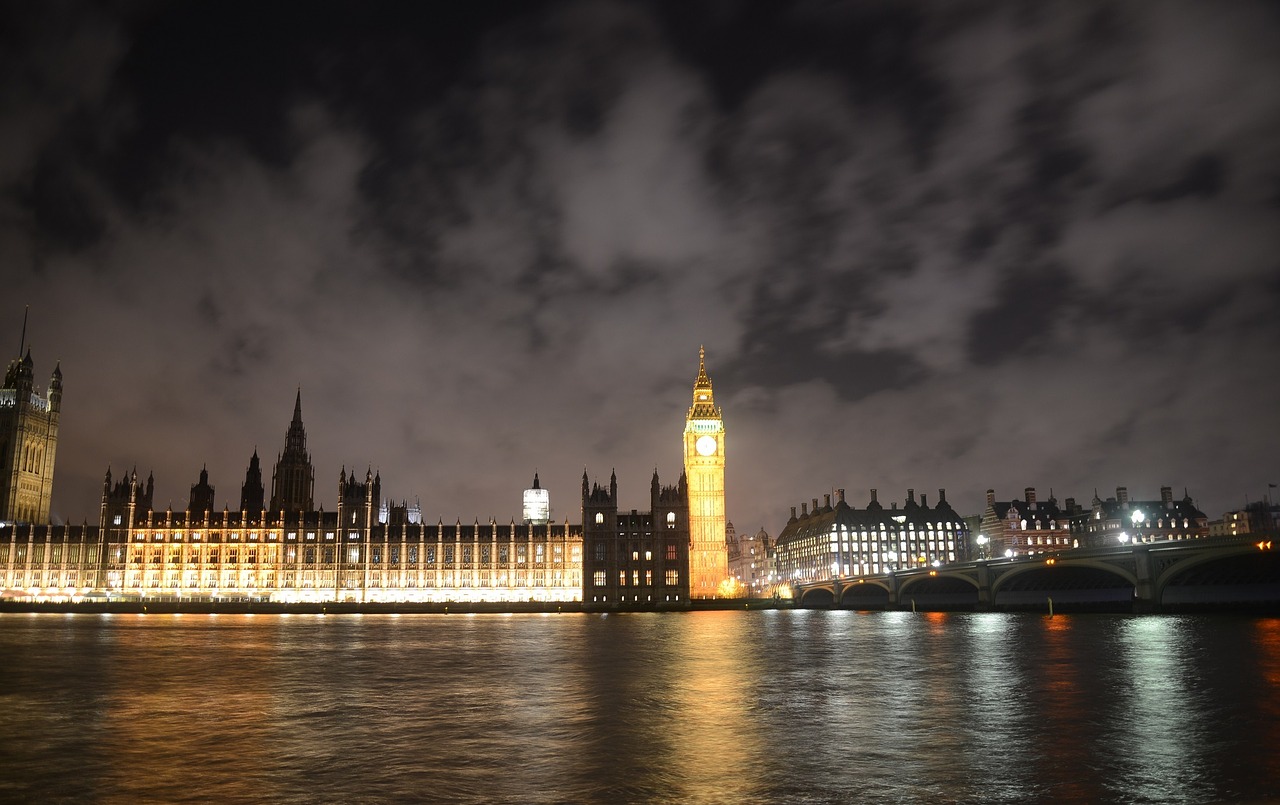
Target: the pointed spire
(703, 380)
(536, 484)
(704, 399)
(297, 407)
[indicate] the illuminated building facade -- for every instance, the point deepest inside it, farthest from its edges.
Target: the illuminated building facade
(635, 560)
(1025, 527)
(1119, 520)
(704, 469)
(367, 550)
(1260, 517)
(841, 541)
(750, 561)
(28, 442)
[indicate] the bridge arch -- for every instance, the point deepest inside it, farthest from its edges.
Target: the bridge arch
(866, 594)
(818, 597)
(1179, 566)
(1014, 572)
(916, 581)
(940, 590)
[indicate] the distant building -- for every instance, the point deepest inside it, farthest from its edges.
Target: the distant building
(839, 541)
(1119, 520)
(1262, 517)
(750, 561)
(635, 560)
(1025, 527)
(28, 442)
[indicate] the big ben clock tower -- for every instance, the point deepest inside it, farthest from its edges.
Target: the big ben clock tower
(704, 469)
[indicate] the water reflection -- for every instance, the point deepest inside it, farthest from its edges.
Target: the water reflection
(704, 707)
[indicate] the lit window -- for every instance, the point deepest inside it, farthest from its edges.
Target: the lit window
(599, 518)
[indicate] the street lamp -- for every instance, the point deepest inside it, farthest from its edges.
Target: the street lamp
(982, 546)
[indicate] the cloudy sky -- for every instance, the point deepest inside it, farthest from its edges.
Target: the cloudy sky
(960, 245)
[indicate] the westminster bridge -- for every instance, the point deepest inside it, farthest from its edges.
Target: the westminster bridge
(1210, 573)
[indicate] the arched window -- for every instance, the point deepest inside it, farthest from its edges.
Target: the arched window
(599, 518)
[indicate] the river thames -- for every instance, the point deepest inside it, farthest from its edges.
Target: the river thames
(705, 707)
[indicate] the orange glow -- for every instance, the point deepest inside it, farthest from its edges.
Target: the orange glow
(1051, 561)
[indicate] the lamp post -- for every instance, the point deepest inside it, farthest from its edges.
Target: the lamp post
(982, 546)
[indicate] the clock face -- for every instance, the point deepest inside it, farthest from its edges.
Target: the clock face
(706, 445)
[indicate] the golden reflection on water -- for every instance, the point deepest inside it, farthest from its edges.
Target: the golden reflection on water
(715, 742)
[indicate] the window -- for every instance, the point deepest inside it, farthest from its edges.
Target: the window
(622, 578)
(598, 578)
(672, 552)
(671, 519)
(673, 577)
(600, 552)
(599, 518)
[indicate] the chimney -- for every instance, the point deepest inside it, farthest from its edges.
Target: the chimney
(942, 497)
(793, 512)
(911, 496)
(873, 496)
(1030, 494)
(826, 502)
(815, 505)
(1166, 496)
(991, 497)
(804, 509)
(840, 495)
(924, 502)
(1122, 495)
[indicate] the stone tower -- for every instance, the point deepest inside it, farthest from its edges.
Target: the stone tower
(252, 498)
(28, 442)
(293, 482)
(704, 469)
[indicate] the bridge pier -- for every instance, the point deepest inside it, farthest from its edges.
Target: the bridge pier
(984, 588)
(894, 585)
(1146, 598)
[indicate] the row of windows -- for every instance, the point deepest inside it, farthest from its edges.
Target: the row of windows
(353, 553)
(600, 578)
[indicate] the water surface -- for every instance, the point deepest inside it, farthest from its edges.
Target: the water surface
(707, 707)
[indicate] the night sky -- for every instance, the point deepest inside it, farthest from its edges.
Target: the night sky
(960, 245)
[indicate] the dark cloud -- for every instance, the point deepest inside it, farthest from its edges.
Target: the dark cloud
(977, 246)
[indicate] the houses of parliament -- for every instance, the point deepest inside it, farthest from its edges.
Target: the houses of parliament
(284, 547)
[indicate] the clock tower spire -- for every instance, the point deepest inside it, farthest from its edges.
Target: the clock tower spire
(704, 469)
